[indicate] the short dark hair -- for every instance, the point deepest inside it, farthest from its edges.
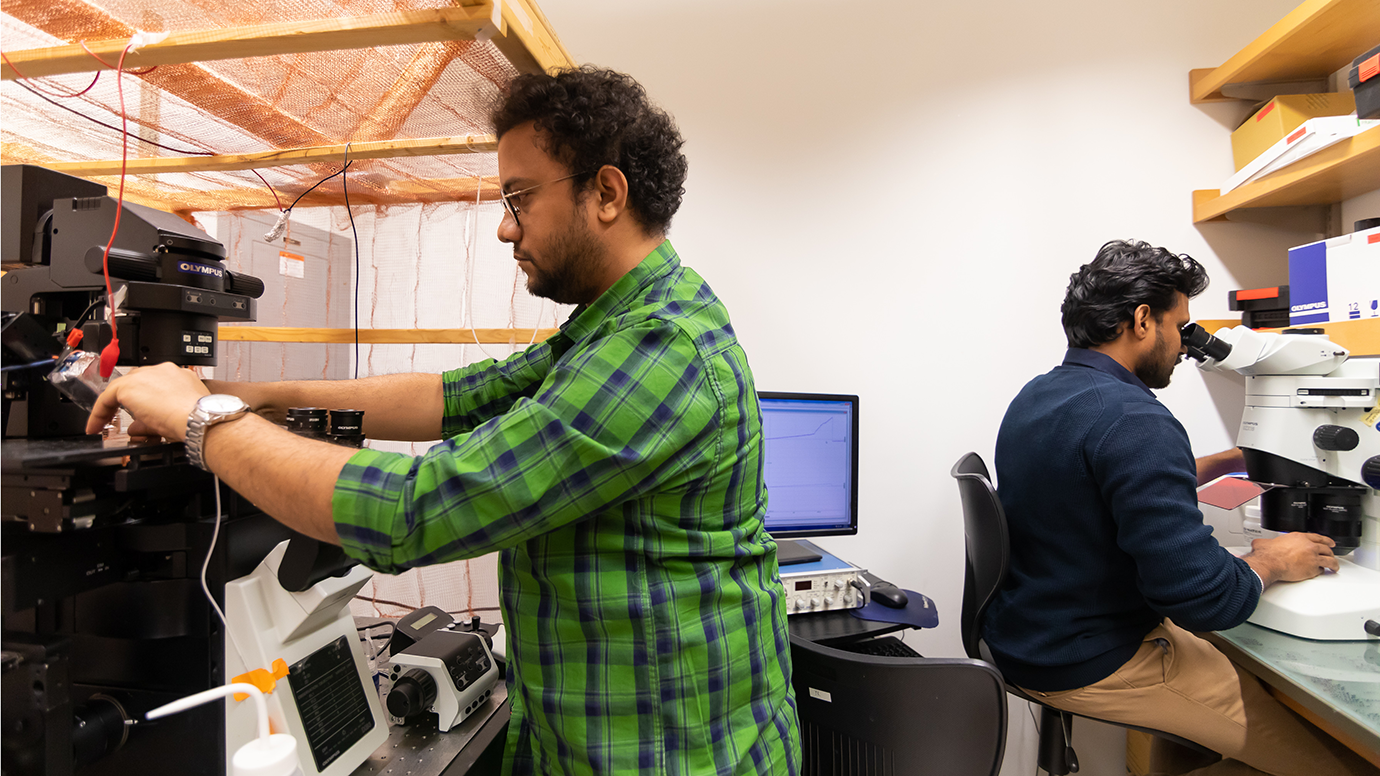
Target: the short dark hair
(593, 116)
(1126, 274)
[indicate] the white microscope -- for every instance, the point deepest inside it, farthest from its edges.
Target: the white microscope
(1311, 442)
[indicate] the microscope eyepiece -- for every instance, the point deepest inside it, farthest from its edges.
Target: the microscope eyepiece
(1200, 345)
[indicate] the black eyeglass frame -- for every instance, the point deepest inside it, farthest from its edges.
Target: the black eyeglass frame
(509, 198)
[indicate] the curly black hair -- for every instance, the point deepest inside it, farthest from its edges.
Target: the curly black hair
(593, 116)
(1105, 293)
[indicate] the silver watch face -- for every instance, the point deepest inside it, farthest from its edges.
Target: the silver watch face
(221, 404)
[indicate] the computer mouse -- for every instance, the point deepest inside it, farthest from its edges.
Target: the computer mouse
(888, 594)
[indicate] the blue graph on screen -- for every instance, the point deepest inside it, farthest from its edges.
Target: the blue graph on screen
(809, 466)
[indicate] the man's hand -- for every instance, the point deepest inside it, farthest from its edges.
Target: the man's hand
(1292, 557)
(159, 397)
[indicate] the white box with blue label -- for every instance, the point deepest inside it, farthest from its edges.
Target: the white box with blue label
(1336, 279)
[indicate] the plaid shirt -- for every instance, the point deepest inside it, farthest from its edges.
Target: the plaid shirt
(617, 466)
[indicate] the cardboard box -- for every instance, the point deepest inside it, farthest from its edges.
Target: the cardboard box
(1279, 117)
(1336, 279)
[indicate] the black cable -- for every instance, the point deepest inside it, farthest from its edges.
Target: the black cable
(341, 171)
(412, 608)
(344, 186)
(47, 99)
(81, 321)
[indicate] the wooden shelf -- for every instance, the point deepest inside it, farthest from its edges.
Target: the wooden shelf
(1335, 173)
(1361, 337)
(240, 333)
(1313, 41)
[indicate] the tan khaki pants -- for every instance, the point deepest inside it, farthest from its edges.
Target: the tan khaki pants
(1181, 684)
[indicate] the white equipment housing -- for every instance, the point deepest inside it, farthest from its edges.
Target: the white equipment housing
(328, 700)
(462, 667)
(1297, 385)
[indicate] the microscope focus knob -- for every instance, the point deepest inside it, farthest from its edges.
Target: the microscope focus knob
(1370, 472)
(1337, 438)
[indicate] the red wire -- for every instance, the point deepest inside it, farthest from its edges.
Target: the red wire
(111, 353)
(45, 91)
(94, 56)
(270, 189)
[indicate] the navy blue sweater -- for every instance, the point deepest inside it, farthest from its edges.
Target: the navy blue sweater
(1099, 486)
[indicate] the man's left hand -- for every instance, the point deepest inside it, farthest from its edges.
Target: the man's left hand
(159, 397)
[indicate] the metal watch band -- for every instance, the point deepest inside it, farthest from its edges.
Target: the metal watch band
(198, 422)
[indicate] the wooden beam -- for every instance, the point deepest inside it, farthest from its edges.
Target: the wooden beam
(487, 187)
(527, 39)
(386, 29)
(383, 149)
(399, 193)
(239, 333)
(1313, 40)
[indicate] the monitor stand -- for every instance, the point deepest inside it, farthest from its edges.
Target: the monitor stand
(795, 552)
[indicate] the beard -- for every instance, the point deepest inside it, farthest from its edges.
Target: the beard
(1157, 367)
(569, 270)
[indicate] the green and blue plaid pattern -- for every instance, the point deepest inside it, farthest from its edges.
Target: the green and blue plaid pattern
(617, 467)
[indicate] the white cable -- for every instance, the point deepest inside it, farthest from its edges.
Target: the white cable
(205, 696)
(468, 314)
(215, 532)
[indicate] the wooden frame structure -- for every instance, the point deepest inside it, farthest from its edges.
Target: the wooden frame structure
(517, 28)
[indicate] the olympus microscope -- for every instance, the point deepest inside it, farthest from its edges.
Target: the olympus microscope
(1310, 440)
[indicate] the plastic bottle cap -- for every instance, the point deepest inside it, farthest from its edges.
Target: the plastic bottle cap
(273, 756)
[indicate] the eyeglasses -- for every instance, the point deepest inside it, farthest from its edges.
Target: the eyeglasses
(510, 200)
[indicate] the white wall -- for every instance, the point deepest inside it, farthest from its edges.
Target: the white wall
(890, 197)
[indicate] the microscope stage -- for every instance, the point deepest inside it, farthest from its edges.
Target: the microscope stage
(1329, 607)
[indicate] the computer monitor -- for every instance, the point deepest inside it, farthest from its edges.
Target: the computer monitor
(811, 452)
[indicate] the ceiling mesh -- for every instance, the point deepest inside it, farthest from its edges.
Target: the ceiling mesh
(254, 104)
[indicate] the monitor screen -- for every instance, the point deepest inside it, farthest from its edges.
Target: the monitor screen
(811, 452)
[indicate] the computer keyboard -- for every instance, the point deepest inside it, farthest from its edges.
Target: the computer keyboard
(886, 646)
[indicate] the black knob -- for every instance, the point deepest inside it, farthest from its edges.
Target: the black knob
(1370, 472)
(1372, 627)
(412, 693)
(1341, 438)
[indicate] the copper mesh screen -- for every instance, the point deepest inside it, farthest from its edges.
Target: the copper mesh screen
(254, 104)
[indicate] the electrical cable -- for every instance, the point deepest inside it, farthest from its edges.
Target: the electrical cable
(111, 352)
(411, 608)
(215, 532)
(40, 91)
(97, 57)
(341, 171)
(344, 186)
(39, 94)
(467, 313)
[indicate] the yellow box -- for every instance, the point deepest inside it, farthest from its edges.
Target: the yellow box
(1283, 115)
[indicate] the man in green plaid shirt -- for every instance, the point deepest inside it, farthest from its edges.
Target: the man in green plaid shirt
(616, 467)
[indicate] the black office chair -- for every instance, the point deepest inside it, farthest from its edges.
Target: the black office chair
(866, 715)
(987, 556)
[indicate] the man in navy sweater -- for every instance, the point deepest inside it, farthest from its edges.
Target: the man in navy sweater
(1111, 564)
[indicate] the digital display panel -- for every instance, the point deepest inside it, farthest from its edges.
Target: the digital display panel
(811, 463)
(330, 700)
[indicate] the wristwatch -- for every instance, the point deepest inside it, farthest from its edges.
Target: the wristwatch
(210, 410)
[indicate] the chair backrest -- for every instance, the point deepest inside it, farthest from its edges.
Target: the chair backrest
(987, 545)
(864, 715)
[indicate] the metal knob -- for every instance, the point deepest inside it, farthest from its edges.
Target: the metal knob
(1370, 472)
(1336, 438)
